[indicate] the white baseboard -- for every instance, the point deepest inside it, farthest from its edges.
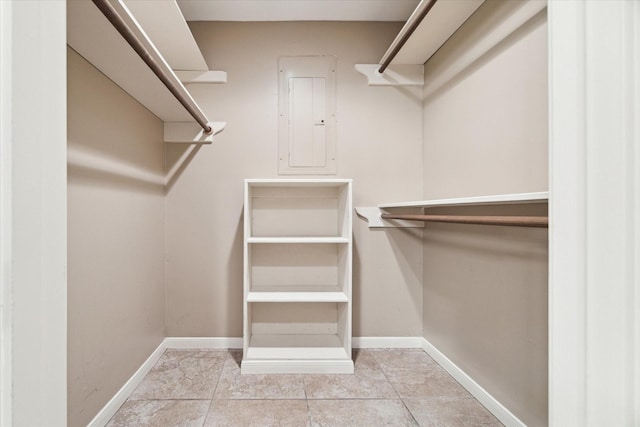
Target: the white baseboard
(205, 342)
(109, 410)
(496, 408)
(387, 342)
(236, 343)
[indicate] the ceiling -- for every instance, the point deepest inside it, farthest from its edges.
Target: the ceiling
(297, 10)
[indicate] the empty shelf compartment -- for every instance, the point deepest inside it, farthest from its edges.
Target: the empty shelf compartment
(298, 210)
(298, 268)
(298, 346)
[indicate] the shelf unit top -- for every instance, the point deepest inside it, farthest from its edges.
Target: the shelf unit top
(499, 199)
(334, 182)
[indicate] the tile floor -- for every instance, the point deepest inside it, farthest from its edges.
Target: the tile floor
(389, 388)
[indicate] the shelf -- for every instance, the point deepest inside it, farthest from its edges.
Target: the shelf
(499, 199)
(373, 214)
(296, 346)
(297, 294)
(94, 38)
(297, 240)
(407, 67)
(444, 19)
(160, 26)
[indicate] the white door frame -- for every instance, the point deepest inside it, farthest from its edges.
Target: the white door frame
(594, 272)
(6, 371)
(33, 222)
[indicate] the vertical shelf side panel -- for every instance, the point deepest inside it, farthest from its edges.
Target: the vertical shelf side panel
(246, 314)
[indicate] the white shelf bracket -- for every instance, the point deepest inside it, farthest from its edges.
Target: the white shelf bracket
(190, 133)
(373, 216)
(394, 75)
(209, 77)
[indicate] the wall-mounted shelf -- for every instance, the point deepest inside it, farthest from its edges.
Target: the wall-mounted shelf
(444, 19)
(406, 67)
(435, 30)
(91, 35)
(373, 215)
(499, 199)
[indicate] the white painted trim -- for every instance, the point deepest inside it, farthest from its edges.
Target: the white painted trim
(39, 213)
(6, 194)
(109, 410)
(236, 342)
(204, 342)
(484, 397)
(594, 342)
(567, 216)
(387, 342)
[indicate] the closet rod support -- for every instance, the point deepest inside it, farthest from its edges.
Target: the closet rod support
(516, 221)
(155, 62)
(409, 27)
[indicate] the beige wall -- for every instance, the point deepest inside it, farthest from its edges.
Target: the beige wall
(115, 238)
(487, 127)
(379, 145)
(485, 288)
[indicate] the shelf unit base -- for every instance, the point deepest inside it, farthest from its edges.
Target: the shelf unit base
(296, 366)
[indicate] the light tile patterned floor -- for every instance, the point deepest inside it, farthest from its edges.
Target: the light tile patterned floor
(389, 388)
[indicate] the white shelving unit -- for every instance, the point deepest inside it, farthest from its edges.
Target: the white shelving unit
(297, 276)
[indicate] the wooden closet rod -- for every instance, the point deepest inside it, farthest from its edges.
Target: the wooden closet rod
(157, 64)
(516, 221)
(409, 27)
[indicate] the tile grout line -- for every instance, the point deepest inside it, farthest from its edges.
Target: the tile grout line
(306, 399)
(396, 391)
(213, 394)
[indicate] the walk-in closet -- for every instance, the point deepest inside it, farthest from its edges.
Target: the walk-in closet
(320, 212)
